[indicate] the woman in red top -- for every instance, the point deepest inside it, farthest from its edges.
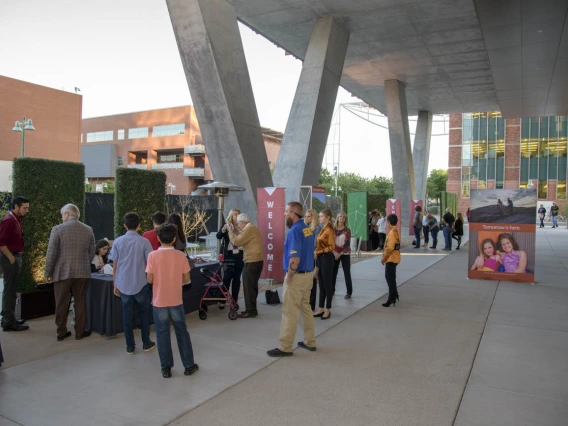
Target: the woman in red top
(342, 252)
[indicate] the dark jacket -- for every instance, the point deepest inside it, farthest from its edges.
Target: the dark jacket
(228, 254)
(458, 227)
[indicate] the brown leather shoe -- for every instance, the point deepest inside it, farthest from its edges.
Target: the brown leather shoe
(63, 337)
(82, 336)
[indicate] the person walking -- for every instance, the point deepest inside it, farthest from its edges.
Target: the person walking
(342, 253)
(250, 240)
(541, 215)
(129, 254)
(311, 219)
(554, 214)
(158, 218)
(325, 245)
(382, 224)
(298, 263)
(391, 259)
(434, 228)
(12, 249)
(232, 258)
(70, 250)
(425, 229)
(458, 230)
(417, 225)
(448, 221)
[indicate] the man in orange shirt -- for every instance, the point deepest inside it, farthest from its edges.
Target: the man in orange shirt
(167, 270)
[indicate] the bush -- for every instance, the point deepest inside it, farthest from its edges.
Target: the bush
(140, 191)
(377, 202)
(317, 205)
(5, 201)
(49, 185)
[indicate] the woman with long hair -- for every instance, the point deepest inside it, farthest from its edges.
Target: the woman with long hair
(342, 252)
(311, 219)
(488, 259)
(325, 245)
(232, 257)
(458, 230)
(101, 256)
(391, 259)
(513, 259)
(180, 243)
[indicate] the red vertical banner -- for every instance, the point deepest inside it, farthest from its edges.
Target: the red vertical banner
(394, 207)
(413, 204)
(271, 223)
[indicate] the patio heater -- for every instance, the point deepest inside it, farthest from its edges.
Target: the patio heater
(220, 190)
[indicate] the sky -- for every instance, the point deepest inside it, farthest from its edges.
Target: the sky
(123, 56)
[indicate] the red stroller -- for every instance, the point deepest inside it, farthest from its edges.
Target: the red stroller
(216, 287)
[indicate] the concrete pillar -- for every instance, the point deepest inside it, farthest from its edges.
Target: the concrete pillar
(305, 138)
(401, 154)
(213, 58)
(421, 153)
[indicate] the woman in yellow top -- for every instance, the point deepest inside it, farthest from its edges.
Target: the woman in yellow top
(391, 258)
(325, 245)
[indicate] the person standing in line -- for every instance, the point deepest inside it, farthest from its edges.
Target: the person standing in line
(129, 254)
(391, 259)
(458, 230)
(181, 242)
(342, 253)
(417, 225)
(68, 265)
(425, 229)
(434, 228)
(311, 219)
(448, 221)
(12, 249)
(167, 271)
(554, 214)
(250, 240)
(374, 230)
(382, 225)
(541, 215)
(158, 218)
(467, 214)
(298, 263)
(232, 258)
(325, 246)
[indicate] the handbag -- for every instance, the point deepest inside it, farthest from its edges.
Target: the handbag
(272, 297)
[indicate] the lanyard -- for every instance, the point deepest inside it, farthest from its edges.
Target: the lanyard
(18, 222)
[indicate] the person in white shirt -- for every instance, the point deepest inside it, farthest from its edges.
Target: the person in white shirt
(382, 225)
(425, 229)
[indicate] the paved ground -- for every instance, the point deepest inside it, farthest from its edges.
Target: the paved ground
(453, 351)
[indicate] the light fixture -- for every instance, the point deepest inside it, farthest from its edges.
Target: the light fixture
(22, 126)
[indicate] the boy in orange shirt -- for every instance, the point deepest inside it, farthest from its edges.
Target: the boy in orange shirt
(167, 269)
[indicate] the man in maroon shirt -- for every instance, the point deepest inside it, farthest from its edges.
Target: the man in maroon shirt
(158, 219)
(11, 250)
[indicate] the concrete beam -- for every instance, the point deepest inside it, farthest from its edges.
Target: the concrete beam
(401, 154)
(421, 153)
(305, 138)
(214, 62)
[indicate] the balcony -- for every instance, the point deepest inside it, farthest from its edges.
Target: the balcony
(198, 149)
(197, 173)
(137, 166)
(167, 166)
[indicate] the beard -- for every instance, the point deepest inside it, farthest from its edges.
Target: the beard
(289, 223)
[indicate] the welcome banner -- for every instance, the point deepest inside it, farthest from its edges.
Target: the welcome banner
(271, 223)
(502, 234)
(394, 207)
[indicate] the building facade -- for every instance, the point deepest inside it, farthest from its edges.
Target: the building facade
(488, 151)
(165, 139)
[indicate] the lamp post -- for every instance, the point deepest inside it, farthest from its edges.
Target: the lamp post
(22, 126)
(172, 187)
(336, 173)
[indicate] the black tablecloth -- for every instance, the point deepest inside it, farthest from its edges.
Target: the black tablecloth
(104, 309)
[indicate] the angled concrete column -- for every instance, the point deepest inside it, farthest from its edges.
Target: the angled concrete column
(401, 154)
(213, 58)
(421, 153)
(305, 138)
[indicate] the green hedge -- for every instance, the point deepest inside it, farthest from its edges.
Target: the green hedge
(49, 185)
(448, 199)
(377, 202)
(140, 191)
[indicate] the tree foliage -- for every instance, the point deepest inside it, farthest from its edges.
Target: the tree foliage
(353, 182)
(436, 182)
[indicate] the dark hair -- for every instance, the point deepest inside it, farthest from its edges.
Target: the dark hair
(485, 241)
(18, 201)
(392, 219)
(418, 208)
(175, 219)
(159, 218)
(506, 237)
(101, 244)
(167, 232)
(131, 220)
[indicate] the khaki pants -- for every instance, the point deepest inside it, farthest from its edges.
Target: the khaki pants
(296, 300)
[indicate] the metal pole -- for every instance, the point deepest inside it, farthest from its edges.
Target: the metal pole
(23, 125)
(220, 207)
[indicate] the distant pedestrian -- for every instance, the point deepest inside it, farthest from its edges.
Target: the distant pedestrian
(467, 214)
(448, 221)
(458, 230)
(342, 252)
(417, 225)
(382, 224)
(311, 219)
(554, 214)
(434, 228)
(391, 259)
(425, 230)
(325, 247)
(541, 215)
(374, 230)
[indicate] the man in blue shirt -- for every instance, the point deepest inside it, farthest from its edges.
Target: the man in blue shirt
(129, 255)
(299, 265)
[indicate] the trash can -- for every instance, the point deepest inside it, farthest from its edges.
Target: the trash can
(353, 244)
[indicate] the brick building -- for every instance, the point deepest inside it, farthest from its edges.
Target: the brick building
(163, 139)
(488, 151)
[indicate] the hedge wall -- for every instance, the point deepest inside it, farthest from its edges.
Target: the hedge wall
(140, 191)
(49, 185)
(377, 202)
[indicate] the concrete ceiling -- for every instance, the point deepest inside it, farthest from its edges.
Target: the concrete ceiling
(452, 55)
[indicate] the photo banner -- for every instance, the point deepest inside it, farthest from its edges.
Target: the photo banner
(502, 234)
(357, 214)
(394, 207)
(413, 204)
(272, 226)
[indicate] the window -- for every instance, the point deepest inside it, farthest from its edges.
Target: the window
(168, 130)
(170, 158)
(139, 132)
(100, 136)
(121, 134)
(120, 161)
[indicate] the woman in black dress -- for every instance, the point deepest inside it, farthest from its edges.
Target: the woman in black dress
(458, 230)
(232, 257)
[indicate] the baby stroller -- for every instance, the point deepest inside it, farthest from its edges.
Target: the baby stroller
(215, 287)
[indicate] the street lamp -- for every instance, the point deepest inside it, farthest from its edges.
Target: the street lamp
(172, 187)
(336, 176)
(22, 126)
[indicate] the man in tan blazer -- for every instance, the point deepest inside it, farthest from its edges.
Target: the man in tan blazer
(68, 265)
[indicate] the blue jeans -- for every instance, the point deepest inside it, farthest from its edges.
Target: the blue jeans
(417, 230)
(142, 302)
(448, 236)
(434, 233)
(425, 231)
(554, 220)
(162, 325)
